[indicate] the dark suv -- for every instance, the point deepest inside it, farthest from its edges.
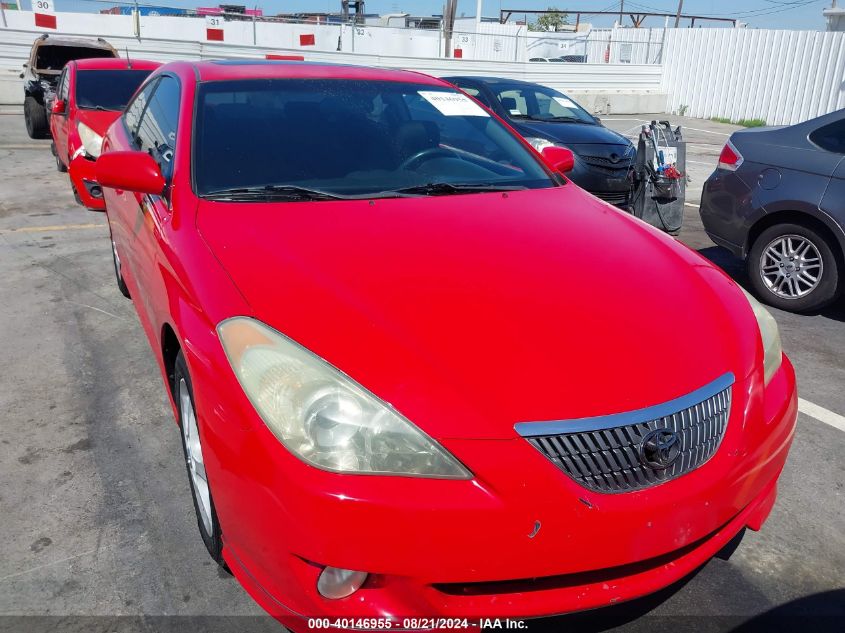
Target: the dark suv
(777, 199)
(47, 58)
(544, 116)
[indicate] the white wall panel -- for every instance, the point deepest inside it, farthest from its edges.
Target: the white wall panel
(782, 77)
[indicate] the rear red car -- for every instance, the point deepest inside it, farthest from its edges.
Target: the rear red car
(90, 95)
(413, 371)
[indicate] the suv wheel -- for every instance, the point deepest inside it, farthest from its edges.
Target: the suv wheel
(794, 268)
(35, 117)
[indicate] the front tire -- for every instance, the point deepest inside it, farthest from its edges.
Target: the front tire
(35, 117)
(793, 268)
(60, 165)
(209, 525)
(118, 273)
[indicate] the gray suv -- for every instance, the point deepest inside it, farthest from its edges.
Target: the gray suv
(777, 200)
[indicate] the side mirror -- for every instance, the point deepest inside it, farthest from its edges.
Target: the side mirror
(132, 171)
(559, 158)
(58, 107)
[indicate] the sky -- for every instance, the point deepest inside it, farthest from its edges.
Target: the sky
(771, 14)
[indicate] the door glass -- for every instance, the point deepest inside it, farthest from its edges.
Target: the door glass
(63, 86)
(157, 129)
(135, 109)
(474, 92)
(831, 137)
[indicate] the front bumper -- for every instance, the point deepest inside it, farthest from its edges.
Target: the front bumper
(82, 172)
(471, 549)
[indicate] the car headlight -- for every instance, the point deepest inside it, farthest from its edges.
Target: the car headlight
(539, 143)
(91, 141)
(321, 415)
(770, 334)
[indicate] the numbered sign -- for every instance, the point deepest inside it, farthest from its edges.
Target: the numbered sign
(214, 28)
(45, 14)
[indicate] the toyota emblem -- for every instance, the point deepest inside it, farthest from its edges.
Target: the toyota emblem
(659, 449)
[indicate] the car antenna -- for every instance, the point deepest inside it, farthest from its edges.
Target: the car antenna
(128, 61)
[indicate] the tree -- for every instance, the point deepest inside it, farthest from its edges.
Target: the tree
(552, 20)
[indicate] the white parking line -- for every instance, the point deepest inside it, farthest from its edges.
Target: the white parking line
(821, 414)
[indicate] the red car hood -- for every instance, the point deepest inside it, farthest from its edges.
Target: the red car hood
(471, 313)
(97, 120)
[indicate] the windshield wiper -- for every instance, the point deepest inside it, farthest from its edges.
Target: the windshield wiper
(271, 192)
(100, 108)
(448, 188)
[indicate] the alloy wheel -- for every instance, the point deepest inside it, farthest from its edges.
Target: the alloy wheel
(193, 450)
(791, 266)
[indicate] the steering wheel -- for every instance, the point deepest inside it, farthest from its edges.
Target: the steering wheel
(426, 155)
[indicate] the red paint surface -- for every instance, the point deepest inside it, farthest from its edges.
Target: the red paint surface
(306, 39)
(292, 58)
(214, 35)
(45, 20)
(468, 314)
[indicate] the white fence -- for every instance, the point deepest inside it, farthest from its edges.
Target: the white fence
(166, 38)
(782, 77)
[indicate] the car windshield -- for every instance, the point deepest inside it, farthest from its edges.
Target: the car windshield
(539, 103)
(107, 89)
(328, 138)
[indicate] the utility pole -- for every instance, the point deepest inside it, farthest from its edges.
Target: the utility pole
(478, 15)
(621, 11)
(678, 14)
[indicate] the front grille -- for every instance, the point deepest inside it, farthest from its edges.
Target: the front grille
(617, 198)
(623, 162)
(625, 451)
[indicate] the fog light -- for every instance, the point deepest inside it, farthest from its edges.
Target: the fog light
(335, 583)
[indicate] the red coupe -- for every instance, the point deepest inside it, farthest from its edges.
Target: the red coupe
(90, 95)
(417, 372)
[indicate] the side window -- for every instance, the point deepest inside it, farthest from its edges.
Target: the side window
(831, 137)
(514, 102)
(474, 92)
(64, 85)
(157, 129)
(136, 108)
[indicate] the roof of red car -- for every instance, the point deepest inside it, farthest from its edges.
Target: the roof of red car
(115, 64)
(221, 70)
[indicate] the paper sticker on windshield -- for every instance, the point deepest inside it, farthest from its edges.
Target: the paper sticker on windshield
(566, 103)
(453, 103)
(515, 111)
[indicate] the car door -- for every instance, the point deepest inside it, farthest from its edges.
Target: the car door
(155, 135)
(59, 122)
(831, 138)
(122, 207)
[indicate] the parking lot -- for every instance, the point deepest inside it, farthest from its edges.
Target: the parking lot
(96, 511)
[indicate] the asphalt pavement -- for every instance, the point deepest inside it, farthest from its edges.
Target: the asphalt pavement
(98, 531)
